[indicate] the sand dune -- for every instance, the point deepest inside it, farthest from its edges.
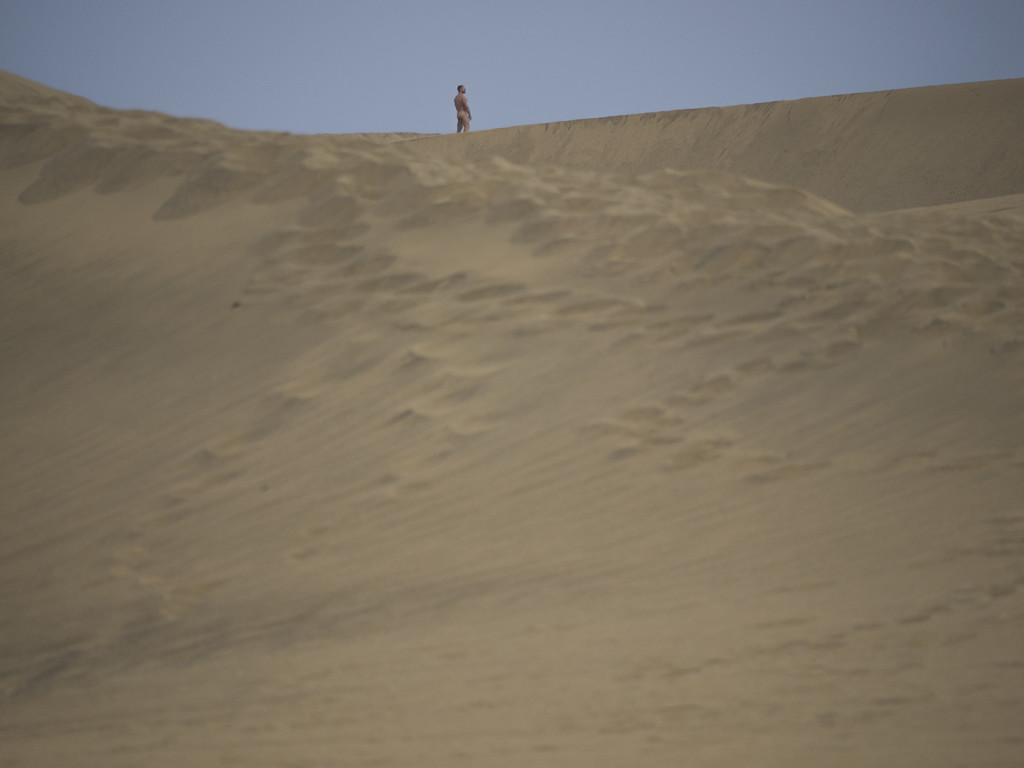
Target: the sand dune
(864, 151)
(586, 444)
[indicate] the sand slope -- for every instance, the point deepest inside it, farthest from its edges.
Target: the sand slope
(864, 151)
(330, 451)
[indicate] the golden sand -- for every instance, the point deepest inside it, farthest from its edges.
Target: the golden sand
(694, 438)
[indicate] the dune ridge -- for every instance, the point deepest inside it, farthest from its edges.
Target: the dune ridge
(329, 450)
(866, 151)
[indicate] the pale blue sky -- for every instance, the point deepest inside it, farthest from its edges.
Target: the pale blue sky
(345, 66)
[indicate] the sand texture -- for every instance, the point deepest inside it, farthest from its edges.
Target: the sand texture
(692, 438)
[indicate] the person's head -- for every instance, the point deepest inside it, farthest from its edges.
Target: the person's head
(462, 89)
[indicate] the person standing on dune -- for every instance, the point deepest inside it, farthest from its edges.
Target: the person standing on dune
(462, 110)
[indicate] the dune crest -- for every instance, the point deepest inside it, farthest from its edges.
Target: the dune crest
(333, 450)
(865, 151)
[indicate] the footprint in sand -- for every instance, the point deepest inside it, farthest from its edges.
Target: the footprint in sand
(674, 328)
(711, 387)
(324, 255)
(129, 562)
(822, 357)
(497, 291)
(973, 462)
(390, 283)
(132, 563)
(204, 470)
(330, 212)
(756, 366)
(591, 306)
(661, 431)
(180, 597)
(769, 469)
(272, 414)
(363, 264)
(698, 451)
(546, 297)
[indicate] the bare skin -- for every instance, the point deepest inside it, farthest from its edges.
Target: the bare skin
(462, 110)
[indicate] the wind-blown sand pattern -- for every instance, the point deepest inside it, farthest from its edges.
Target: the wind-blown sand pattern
(561, 445)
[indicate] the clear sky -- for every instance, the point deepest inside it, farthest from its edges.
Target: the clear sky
(347, 66)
